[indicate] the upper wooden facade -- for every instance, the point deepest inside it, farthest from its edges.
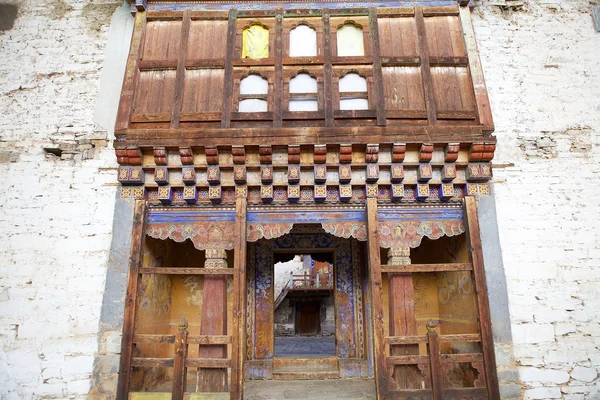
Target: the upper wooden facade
(182, 83)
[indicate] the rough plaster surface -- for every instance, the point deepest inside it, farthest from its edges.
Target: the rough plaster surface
(541, 62)
(56, 206)
(541, 67)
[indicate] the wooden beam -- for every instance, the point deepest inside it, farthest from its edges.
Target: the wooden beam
(381, 379)
(327, 79)
(278, 84)
(180, 74)
(150, 362)
(209, 339)
(239, 295)
(406, 339)
(186, 271)
(228, 75)
(425, 67)
(476, 258)
(377, 72)
(476, 70)
(406, 360)
(136, 255)
(179, 369)
(300, 135)
(395, 269)
(213, 321)
(131, 71)
(437, 373)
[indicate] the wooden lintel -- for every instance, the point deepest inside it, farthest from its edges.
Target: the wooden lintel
(209, 339)
(406, 339)
(406, 360)
(392, 269)
(301, 135)
(186, 271)
(151, 362)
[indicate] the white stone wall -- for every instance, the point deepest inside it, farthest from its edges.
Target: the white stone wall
(542, 67)
(55, 210)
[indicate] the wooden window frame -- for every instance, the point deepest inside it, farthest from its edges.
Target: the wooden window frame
(238, 76)
(365, 72)
(291, 23)
(267, 22)
(360, 21)
(288, 75)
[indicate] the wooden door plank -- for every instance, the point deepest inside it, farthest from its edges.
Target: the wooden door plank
(381, 380)
(228, 84)
(239, 294)
(131, 72)
(135, 259)
(425, 67)
(476, 258)
(180, 77)
(476, 71)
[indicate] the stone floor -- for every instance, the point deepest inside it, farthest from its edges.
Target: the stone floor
(305, 346)
(330, 389)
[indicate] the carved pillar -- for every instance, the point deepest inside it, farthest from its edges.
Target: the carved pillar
(214, 322)
(402, 318)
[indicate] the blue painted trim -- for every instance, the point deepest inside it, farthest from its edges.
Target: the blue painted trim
(268, 5)
(416, 214)
(306, 216)
(157, 217)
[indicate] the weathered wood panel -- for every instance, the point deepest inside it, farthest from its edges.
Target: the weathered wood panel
(398, 37)
(444, 36)
(162, 40)
(403, 88)
(203, 91)
(155, 93)
(452, 91)
(204, 40)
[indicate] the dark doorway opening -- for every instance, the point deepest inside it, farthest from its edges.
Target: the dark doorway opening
(304, 320)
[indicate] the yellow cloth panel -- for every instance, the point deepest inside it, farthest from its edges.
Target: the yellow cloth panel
(255, 42)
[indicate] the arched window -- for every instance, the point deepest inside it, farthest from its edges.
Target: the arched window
(255, 42)
(353, 92)
(253, 94)
(303, 93)
(350, 41)
(303, 41)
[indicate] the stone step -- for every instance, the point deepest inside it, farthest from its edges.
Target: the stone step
(305, 363)
(300, 375)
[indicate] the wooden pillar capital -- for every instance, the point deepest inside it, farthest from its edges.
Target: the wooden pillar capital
(399, 256)
(215, 258)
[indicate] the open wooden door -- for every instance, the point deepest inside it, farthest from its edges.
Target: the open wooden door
(432, 328)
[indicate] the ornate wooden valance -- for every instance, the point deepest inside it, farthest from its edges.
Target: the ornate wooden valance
(398, 226)
(206, 229)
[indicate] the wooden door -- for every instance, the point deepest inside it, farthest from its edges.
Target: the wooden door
(307, 319)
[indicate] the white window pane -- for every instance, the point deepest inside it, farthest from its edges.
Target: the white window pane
(303, 83)
(354, 104)
(303, 42)
(306, 104)
(350, 41)
(253, 105)
(254, 84)
(353, 82)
